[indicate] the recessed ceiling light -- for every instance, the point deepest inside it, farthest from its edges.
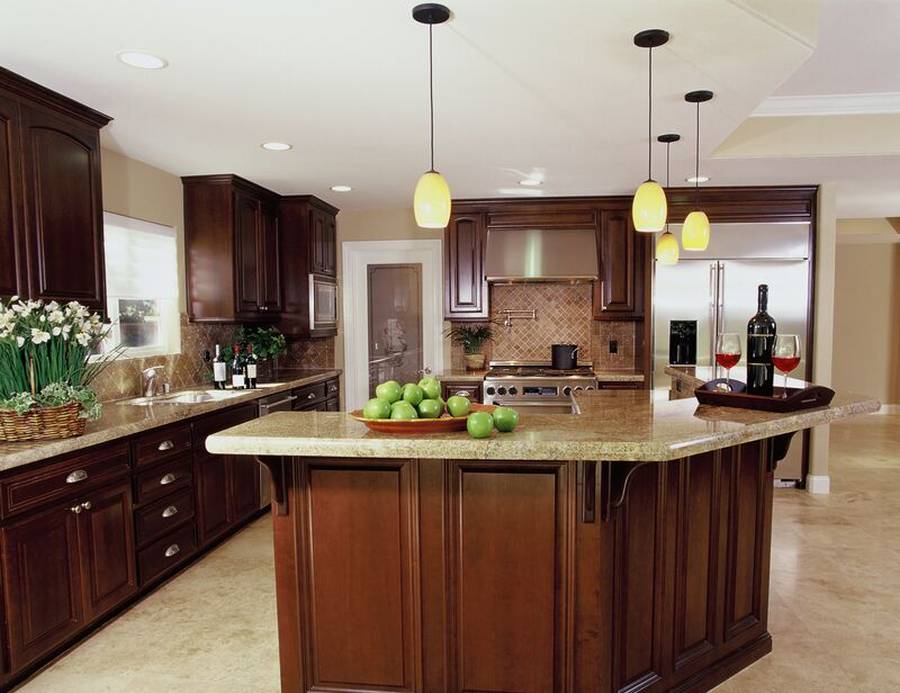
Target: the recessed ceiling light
(276, 146)
(697, 179)
(530, 182)
(145, 61)
(341, 188)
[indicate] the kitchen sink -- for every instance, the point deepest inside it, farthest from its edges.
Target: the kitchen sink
(185, 397)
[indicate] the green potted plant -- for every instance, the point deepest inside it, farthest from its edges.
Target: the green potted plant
(472, 338)
(268, 344)
(46, 368)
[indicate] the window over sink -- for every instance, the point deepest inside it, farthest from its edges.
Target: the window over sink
(141, 286)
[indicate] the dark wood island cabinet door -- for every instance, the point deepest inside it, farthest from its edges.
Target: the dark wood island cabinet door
(42, 582)
(64, 224)
(106, 532)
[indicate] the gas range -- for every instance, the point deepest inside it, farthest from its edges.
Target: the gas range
(536, 385)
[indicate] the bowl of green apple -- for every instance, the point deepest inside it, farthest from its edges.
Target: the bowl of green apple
(418, 408)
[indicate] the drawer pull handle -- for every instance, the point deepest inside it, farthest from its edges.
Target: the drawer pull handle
(172, 550)
(76, 509)
(463, 393)
(87, 505)
(76, 476)
(167, 479)
(168, 512)
(311, 395)
(165, 445)
(333, 388)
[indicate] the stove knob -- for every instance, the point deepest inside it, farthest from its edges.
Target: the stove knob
(567, 390)
(490, 390)
(501, 390)
(590, 387)
(513, 390)
(578, 388)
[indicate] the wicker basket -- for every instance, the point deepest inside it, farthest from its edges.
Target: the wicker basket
(42, 423)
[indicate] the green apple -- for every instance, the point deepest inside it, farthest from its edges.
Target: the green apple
(389, 390)
(458, 405)
(403, 410)
(479, 424)
(377, 409)
(413, 394)
(430, 409)
(505, 419)
(432, 387)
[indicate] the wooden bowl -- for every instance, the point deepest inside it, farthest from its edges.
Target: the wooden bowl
(412, 427)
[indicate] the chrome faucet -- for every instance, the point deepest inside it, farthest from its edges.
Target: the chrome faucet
(154, 381)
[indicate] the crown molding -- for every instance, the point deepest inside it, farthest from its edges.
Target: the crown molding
(829, 104)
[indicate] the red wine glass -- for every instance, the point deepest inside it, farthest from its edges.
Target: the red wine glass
(728, 353)
(786, 355)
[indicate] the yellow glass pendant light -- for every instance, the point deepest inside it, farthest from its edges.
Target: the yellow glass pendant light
(667, 251)
(649, 208)
(695, 231)
(431, 200)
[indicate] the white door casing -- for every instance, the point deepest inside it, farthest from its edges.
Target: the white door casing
(356, 257)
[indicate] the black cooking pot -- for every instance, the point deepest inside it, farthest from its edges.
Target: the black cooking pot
(564, 357)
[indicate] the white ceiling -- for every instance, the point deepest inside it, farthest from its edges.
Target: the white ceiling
(522, 86)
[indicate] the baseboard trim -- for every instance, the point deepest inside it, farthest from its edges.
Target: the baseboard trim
(818, 484)
(727, 667)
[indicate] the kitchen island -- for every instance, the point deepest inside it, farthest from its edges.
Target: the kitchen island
(622, 549)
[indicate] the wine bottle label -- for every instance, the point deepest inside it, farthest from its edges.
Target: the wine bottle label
(251, 371)
(237, 381)
(219, 372)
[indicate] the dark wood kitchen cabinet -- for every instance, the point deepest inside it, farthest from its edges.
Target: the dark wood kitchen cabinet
(465, 288)
(232, 250)
(621, 255)
(51, 209)
(308, 250)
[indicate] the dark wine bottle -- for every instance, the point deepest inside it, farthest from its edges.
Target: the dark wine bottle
(238, 379)
(219, 369)
(251, 367)
(760, 341)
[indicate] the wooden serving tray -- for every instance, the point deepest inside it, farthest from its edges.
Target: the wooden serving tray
(412, 427)
(796, 400)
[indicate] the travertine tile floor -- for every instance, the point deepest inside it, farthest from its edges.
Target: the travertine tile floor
(834, 611)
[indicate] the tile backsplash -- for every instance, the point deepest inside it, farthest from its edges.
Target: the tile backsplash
(563, 314)
(187, 369)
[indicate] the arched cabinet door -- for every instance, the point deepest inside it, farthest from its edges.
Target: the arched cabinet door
(11, 250)
(64, 224)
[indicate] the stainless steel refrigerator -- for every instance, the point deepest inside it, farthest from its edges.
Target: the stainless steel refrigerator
(717, 288)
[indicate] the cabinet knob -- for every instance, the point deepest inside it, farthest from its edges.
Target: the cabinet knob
(76, 509)
(76, 476)
(311, 395)
(87, 505)
(165, 445)
(172, 550)
(168, 512)
(167, 479)
(464, 393)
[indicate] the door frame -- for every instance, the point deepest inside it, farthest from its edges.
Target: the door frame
(355, 258)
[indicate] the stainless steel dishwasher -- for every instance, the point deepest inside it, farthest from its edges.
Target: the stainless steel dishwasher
(283, 401)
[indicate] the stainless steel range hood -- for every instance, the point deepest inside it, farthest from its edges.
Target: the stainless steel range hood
(541, 255)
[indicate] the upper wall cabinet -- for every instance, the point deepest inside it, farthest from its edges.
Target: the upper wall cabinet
(51, 210)
(232, 250)
(465, 284)
(309, 266)
(621, 255)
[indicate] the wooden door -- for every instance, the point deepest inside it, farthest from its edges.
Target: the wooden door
(106, 535)
(211, 484)
(466, 290)
(11, 249)
(318, 241)
(269, 261)
(509, 558)
(42, 582)
(329, 252)
(243, 487)
(64, 224)
(615, 291)
(248, 282)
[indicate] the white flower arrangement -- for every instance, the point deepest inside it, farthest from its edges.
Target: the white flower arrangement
(44, 355)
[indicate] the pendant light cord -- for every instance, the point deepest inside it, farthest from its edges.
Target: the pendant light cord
(697, 159)
(668, 144)
(650, 114)
(431, 90)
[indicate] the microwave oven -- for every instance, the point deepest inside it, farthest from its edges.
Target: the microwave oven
(323, 300)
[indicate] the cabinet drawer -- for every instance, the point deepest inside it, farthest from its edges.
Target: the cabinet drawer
(333, 388)
(163, 479)
(620, 385)
(466, 389)
(166, 553)
(157, 518)
(34, 486)
(309, 395)
(160, 445)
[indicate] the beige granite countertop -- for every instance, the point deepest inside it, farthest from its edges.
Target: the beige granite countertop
(121, 420)
(613, 425)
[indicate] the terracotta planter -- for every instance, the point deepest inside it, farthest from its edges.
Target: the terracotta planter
(474, 362)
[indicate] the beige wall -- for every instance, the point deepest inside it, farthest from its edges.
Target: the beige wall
(134, 189)
(376, 225)
(867, 309)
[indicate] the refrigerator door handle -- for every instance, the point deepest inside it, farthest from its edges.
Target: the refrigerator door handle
(713, 310)
(720, 307)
